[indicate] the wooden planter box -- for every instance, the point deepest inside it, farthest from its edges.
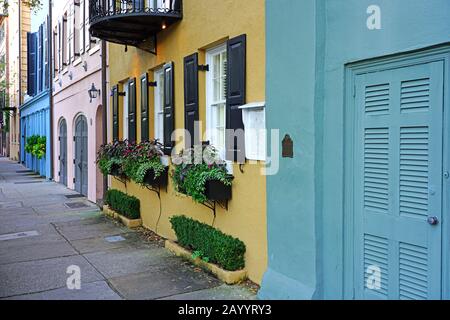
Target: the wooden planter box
(229, 277)
(130, 223)
(215, 190)
(162, 180)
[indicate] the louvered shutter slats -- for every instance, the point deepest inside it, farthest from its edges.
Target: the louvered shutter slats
(115, 107)
(236, 95)
(31, 74)
(169, 107)
(191, 98)
(132, 110)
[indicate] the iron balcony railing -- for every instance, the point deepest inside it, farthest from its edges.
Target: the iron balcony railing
(133, 22)
(100, 9)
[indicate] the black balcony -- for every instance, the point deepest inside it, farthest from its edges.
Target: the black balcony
(133, 22)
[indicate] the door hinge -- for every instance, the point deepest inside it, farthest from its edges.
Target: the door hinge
(59, 158)
(59, 173)
(73, 180)
(74, 161)
(74, 139)
(354, 91)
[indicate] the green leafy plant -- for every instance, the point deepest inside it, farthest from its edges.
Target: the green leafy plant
(191, 172)
(209, 243)
(123, 204)
(110, 158)
(197, 254)
(130, 160)
(154, 164)
(36, 146)
(142, 157)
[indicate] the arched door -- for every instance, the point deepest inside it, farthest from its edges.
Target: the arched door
(81, 155)
(63, 152)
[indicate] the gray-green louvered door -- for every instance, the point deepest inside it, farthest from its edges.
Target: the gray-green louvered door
(398, 182)
(63, 152)
(81, 156)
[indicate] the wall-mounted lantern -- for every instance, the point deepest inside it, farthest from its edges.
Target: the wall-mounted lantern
(93, 92)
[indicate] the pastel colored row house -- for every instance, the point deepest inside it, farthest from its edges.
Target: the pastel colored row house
(172, 64)
(18, 28)
(4, 79)
(361, 210)
(35, 111)
(77, 113)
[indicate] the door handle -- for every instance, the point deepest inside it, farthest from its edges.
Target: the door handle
(434, 221)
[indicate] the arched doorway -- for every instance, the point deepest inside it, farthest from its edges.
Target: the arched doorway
(81, 155)
(63, 152)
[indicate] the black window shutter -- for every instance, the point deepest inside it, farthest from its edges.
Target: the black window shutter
(132, 110)
(191, 97)
(115, 111)
(47, 52)
(40, 60)
(169, 107)
(144, 107)
(31, 74)
(236, 77)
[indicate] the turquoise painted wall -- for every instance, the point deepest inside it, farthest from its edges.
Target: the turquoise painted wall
(35, 119)
(308, 44)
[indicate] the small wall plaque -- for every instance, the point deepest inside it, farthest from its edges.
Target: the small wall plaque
(288, 147)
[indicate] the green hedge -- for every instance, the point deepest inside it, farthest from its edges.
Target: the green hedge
(214, 246)
(124, 204)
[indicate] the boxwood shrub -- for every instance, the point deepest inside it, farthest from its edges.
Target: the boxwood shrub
(123, 204)
(217, 247)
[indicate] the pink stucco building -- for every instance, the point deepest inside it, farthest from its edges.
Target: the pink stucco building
(77, 116)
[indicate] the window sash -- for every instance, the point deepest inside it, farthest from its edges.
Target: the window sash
(159, 105)
(216, 98)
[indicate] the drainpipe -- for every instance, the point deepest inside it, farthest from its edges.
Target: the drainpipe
(50, 81)
(104, 111)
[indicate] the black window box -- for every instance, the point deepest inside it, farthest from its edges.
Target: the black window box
(216, 190)
(162, 180)
(116, 170)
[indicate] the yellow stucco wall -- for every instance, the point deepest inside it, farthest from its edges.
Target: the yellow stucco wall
(206, 23)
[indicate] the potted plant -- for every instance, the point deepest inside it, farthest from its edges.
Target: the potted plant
(36, 146)
(110, 159)
(143, 164)
(202, 175)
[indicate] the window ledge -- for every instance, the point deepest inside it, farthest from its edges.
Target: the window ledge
(94, 49)
(76, 62)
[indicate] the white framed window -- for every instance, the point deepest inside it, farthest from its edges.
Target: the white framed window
(216, 82)
(77, 16)
(65, 42)
(159, 105)
(87, 35)
(125, 111)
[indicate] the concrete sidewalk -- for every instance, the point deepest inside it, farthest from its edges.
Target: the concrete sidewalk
(46, 228)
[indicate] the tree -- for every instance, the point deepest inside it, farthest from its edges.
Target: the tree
(34, 5)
